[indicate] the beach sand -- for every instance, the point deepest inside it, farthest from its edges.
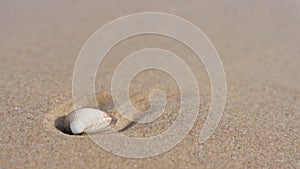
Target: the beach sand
(258, 43)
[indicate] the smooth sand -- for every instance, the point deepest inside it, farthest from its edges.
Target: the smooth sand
(258, 42)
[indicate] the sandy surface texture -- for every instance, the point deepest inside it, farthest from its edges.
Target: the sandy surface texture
(259, 45)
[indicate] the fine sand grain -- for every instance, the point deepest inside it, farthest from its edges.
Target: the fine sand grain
(259, 45)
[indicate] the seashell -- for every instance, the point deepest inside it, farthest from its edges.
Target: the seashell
(87, 120)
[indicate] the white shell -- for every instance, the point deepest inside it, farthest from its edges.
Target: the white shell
(87, 120)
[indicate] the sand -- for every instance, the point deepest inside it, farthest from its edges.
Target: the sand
(258, 42)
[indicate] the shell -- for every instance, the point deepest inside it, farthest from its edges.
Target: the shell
(87, 120)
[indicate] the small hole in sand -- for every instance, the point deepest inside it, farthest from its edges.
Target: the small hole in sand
(59, 125)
